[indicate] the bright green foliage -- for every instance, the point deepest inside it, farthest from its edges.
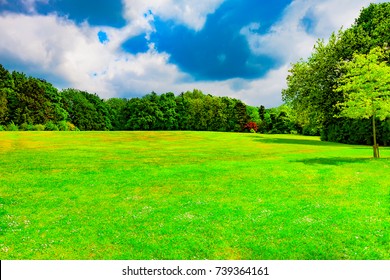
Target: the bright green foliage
(311, 83)
(143, 114)
(253, 113)
(366, 86)
(12, 127)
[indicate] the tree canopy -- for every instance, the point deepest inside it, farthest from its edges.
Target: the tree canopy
(29, 103)
(366, 87)
(312, 84)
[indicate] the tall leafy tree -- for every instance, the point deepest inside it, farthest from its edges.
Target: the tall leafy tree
(311, 83)
(5, 88)
(366, 85)
(168, 107)
(241, 116)
(3, 106)
(117, 112)
(86, 111)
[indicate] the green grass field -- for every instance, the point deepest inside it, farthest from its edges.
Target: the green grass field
(190, 195)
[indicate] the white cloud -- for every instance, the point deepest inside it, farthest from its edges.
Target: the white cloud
(29, 5)
(191, 13)
(75, 54)
(288, 40)
(61, 48)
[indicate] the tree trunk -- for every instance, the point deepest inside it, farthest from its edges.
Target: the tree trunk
(376, 147)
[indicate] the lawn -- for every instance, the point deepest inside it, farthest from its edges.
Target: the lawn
(190, 195)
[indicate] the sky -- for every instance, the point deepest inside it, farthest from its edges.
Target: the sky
(128, 48)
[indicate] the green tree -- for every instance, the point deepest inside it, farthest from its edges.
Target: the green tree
(240, 116)
(117, 112)
(86, 111)
(310, 83)
(168, 107)
(3, 106)
(366, 86)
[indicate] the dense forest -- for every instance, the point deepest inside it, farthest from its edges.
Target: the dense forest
(314, 85)
(313, 97)
(28, 103)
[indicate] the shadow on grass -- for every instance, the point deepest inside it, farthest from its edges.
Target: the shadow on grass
(334, 160)
(312, 142)
(297, 141)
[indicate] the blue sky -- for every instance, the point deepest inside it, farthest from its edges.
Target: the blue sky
(128, 48)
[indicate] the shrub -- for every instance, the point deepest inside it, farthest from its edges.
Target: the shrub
(310, 131)
(50, 126)
(39, 127)
(62, 126)
(2, 128)
(67, 126)
(252, 130)
(71, 127)
(251, 126)
(12, 127)
(24, 126)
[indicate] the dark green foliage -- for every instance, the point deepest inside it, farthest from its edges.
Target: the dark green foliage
(3, 106)
(117, 110)
(168, 106)
(371, 29)
(28, 100)
(143, 114)
(279, 120)
(351, 131)
(33, 104)
(86, 111)
(188, 111)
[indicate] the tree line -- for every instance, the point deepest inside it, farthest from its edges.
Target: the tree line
(28, 103)
(338, 90)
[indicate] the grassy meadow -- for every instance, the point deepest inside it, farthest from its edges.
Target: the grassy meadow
(190, 195)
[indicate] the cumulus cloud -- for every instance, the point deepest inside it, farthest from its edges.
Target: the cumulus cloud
(193, 14)
(76, 54)
(59, 47)
(290, 39)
